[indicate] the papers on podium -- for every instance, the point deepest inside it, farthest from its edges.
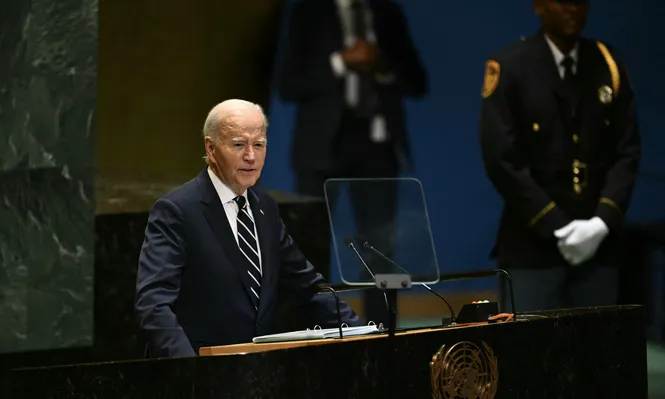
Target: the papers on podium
(320, 333)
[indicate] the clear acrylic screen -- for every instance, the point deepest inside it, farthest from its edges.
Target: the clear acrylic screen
(387, 214)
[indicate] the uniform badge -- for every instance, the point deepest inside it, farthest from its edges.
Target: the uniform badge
(605, 94)
(491, 81)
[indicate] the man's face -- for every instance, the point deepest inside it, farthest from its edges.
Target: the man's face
(239, 154)
(562, 18)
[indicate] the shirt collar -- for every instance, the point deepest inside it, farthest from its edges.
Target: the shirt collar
(558, 55)
(225, 194)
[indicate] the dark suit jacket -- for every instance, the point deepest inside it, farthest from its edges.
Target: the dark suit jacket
(307, 78)
(555, 158)
(191, 289)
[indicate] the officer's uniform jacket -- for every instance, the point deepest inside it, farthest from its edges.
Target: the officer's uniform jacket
(556, 154)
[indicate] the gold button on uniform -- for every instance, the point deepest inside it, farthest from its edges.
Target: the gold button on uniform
(577, 181)
(576, 138)
(607, 122)
(536, 127)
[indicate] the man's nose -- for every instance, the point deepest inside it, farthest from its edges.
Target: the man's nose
(250, 155)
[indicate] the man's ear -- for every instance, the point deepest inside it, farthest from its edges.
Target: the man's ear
(209, 145)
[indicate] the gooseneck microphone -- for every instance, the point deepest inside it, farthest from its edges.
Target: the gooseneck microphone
(367, 245)
(350, 244)
(321, 289)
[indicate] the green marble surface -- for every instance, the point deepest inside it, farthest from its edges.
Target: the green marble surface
(48, 101)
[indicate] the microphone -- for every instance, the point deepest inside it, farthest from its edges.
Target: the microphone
(367, 245)
(350, 244)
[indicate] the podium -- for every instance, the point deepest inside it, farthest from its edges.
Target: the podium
(577, 353)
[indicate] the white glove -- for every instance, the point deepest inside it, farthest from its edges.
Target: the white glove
(580, 239)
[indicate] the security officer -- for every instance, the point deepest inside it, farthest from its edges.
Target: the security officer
(560, 143)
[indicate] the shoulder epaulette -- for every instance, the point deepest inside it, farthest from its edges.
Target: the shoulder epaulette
(614, 70)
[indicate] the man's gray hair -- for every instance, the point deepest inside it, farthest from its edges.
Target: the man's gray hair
(220, 118)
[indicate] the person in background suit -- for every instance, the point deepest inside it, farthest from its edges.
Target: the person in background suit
(349, 65)
(561, 145)
(216, 253)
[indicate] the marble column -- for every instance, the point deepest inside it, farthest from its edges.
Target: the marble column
(48, 99)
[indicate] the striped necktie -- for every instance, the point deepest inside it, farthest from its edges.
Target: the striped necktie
(248, 245)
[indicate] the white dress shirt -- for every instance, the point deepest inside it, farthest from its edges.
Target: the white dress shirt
(559, 56)
(226, 196)
(378, 130)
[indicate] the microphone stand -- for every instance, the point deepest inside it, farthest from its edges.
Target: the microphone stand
(389, 284)
(367, 245)
(339, 314)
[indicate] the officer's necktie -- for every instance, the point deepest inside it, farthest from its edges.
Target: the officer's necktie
(248, 246)
(367, 97)
(568, 75)
(570, 84)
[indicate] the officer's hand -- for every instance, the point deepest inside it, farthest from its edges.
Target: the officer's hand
(569, 253)
(579, 240)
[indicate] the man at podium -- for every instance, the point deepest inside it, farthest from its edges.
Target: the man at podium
(216, 253)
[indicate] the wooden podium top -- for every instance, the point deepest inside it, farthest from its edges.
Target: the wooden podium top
(241, 349)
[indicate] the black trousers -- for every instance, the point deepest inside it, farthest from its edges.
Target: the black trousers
(357, 156)
(561, 287)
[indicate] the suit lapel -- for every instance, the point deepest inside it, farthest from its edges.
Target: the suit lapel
(585, 77)
(219, 223)
(381, 20)
(265, 243)
(326, 17)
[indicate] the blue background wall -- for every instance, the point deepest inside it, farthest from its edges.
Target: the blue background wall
(454, 38)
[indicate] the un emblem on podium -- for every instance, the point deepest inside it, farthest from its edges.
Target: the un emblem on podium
(464, 370)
